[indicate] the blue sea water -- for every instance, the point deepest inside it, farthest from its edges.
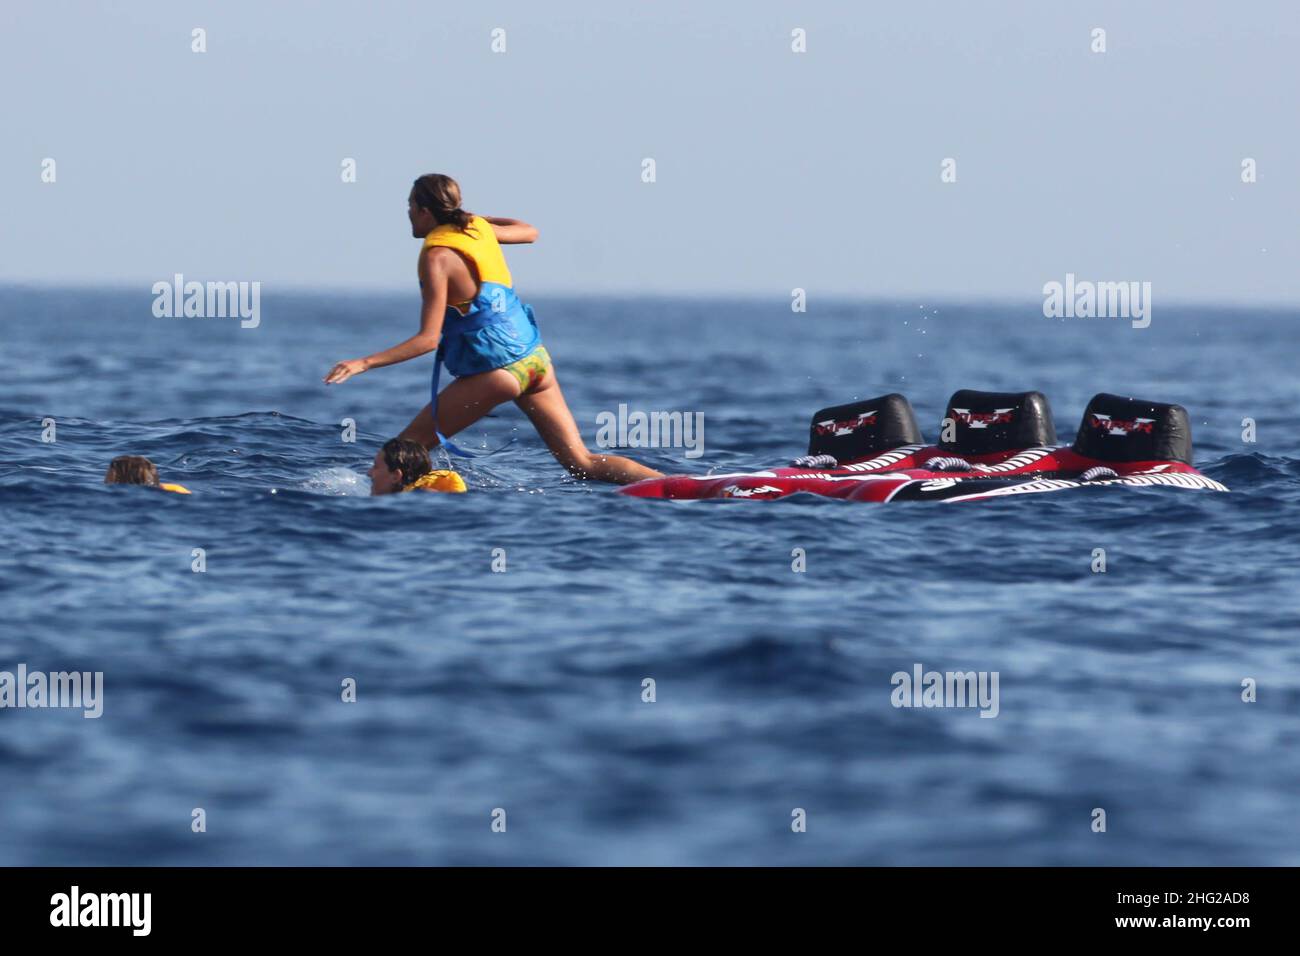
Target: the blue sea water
(522, 690)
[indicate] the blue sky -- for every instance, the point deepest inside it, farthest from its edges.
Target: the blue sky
(775, 170)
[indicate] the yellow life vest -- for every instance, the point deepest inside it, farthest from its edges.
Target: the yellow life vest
(178, 489)
(478, 243)
(438, 480)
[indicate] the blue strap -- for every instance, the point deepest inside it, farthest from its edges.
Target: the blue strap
(443, 440)
(483, 312)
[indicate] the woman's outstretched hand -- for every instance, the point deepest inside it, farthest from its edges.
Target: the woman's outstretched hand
(345, 370)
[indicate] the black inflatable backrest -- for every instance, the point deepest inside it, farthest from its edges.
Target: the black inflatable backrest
(1115, 428)
(861, 429)
(984, 422)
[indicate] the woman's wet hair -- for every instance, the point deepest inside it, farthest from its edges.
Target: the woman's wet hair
(409, 457)
(131, 470)
(441, 196)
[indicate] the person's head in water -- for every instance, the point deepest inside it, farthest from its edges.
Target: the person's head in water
(399, 463)
(138, 470)
(435, 201)
(131, 470)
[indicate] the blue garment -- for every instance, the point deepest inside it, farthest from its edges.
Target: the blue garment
(497, 330)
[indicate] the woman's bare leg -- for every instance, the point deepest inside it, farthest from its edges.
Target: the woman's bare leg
(550, 415)
(461, 404)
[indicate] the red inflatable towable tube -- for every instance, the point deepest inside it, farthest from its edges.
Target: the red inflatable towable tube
(992, 444)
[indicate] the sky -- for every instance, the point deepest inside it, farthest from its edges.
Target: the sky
(773, 169)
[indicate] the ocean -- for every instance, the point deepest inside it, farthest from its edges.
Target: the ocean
(504, 644)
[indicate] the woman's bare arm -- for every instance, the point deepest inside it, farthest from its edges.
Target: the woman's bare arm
(433, 305)
(512, 231)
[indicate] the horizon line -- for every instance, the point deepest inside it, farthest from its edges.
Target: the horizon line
(840, 296)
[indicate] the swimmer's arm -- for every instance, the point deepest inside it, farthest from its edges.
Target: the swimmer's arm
(433, 286)
(512, 231)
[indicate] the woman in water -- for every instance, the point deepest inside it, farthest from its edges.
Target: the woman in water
(138, 470)
(485, 336)
(404, 465)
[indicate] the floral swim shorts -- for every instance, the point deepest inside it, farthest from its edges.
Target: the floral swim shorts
(531, 369)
